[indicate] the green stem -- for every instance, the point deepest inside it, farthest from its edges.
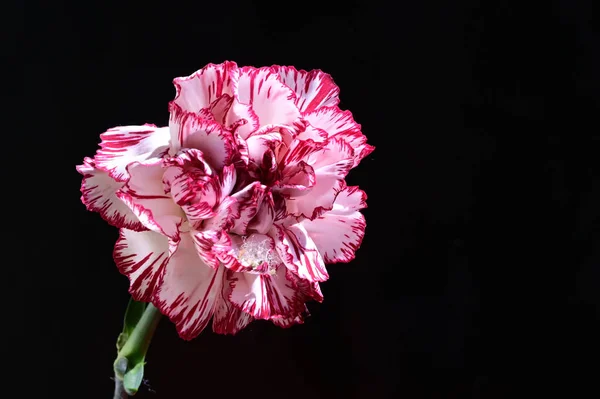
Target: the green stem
(134, 351)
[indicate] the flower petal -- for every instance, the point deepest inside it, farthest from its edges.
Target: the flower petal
(223, 247)
(297, 180)
(219, 109)
(191, 131)
(339, 124)
(299, 150)
(261, 143)
(144, 194)
(265, 216)
(287, 322)
(350, 199)
(338, 233)
(188, 178)
(226, 214)
(249, 199)
(98, 191)
(318, 200)
(189, 290)
(331, 165)
(210, 236)
(298, 251)
(313, 89)
(271, 101)
(228, 319)
(332, 120)
(334, 157)
(308, 291)
(358, 142)
(266, 295)
(242, 120)
(142, 257)
(193, 185)
(202, 88)
(123, 145)
(228, 179)
(210, 244)
(309, 132)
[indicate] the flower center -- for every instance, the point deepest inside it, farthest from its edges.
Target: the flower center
(258, 254)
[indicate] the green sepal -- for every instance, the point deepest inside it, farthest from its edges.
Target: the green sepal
(140, 322)
(133, 379)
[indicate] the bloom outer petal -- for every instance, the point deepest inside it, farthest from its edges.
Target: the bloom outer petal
(271, 101)
(298, 251)
(228, 319)
(144, 194)
(142, 257)
(123, 145)
(338, 233)
(207, 85)
(188, 130)
(99, 194)
(266, 296)
(330, 164)
(332, 122)
(190, 290)
(313, 89)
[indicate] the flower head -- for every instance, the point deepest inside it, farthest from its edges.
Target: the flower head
(232, 211)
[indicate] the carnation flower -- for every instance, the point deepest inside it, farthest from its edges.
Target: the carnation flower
(232, 211)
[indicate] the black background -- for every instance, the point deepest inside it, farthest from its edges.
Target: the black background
(479, 273)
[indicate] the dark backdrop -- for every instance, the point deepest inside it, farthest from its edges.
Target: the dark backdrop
(479, 273)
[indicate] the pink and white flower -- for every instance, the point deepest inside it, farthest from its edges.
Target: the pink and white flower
(232, 211)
